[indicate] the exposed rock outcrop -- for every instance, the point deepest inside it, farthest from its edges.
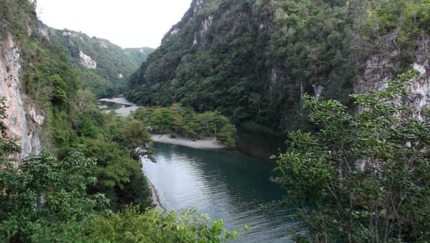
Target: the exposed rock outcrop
(87, 61)
(379, 69)
(23, 120)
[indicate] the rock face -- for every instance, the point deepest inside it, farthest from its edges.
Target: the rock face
(421, 87)
(87, 61)
(23, 120)
(377, 72)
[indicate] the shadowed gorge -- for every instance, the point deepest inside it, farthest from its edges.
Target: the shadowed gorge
(336, 92)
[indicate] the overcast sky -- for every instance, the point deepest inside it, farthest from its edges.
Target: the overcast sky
(127, 23)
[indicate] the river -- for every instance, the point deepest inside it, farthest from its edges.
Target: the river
(119, 105)
(224, 185)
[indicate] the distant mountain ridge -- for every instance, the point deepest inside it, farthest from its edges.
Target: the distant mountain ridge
(102, 66)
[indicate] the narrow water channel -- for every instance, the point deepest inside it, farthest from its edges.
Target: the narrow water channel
(222, 184)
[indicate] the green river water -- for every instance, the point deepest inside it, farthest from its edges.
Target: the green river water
(222, 184)
(226, 185)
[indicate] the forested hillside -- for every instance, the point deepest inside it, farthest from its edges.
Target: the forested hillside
(68, 172)
(253, 60)
(102, 66)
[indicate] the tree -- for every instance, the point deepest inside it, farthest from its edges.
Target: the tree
(225, 135)
(84, 101)
(135, 138)
(362, 177)
(162, 119)
(46, 200)
(118, 146)
(150, 226)
(43, 192)
(255, 102)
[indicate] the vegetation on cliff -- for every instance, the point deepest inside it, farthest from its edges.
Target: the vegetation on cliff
(113, 65)
(359, 178)
(90, 167)
(253, 60)
(50, 200)
(362, 177)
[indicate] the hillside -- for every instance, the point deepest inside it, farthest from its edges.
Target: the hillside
(68, 171)
(102, 66)
(253, 60)
(71, 173)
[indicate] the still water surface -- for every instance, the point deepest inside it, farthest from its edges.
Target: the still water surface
(119, 105)
(222, 184)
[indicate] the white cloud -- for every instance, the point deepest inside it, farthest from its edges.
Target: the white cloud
(128, 23)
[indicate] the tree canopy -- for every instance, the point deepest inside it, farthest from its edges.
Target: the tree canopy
(252, 60)
(188, 123)
(362, 177)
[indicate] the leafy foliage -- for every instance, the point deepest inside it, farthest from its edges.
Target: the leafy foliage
(42, 192)
(117, 143)
(15, 17)
(46, 201)
(186, 122)
(66, 197)
(48, 77)
(114, 64)
(253, 60)
(151, 226)
(362, 177)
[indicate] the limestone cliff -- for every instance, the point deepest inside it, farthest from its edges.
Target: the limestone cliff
(23, 119)
(87, 61)
(380, 66)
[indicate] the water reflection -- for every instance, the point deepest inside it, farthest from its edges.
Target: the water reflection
(225, 185)
(260, 145)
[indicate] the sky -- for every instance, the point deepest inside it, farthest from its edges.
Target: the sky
(127, 23)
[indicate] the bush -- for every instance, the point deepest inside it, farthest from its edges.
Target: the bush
(362, 177)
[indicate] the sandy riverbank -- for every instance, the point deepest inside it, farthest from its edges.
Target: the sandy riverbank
(155, 197)
(207, 143)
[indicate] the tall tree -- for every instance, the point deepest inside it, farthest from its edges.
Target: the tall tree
(363, 177)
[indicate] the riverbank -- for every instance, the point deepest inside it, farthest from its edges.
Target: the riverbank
(118, 100)
(155, 197)
(207, 143)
